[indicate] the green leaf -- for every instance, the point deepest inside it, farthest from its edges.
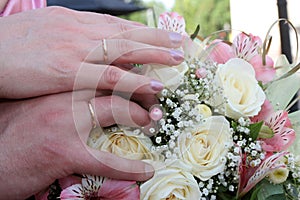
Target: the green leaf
(281, 92)
(194, 35)
(255, 192)
(295, 120)
(255, 129)
(266, 132)
(277, 197)
(270, 191)
(234, 124)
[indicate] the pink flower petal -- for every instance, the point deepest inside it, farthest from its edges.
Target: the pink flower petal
(250, 177)
(74, 192)
(265, 112)
(118, 189)
(264, 73)
(246, 46)
(172, 21)
(220, 52)
(283, 135)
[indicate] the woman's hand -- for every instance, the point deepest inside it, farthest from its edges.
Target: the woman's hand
(44, 51)
(44, 139)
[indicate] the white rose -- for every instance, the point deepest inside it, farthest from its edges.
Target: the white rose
(171, 182)
(244, 95)
(125, 144)
(205, 149)
(169, 76)
(204, 110)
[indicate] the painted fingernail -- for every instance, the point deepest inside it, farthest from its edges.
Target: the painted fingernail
(175, 38)
(156, 85)
(177, 55)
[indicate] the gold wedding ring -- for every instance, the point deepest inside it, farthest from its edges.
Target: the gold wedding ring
(92, 112)
(104, 46)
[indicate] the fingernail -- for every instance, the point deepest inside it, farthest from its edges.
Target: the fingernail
(156, 85)
(177, 55)
(149, 170)
(175, 38)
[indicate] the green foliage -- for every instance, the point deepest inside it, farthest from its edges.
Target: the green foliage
(255, 129)
(212, 15)
(266, 191)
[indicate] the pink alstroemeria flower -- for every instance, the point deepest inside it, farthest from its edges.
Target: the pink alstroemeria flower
(171, 21)
(283, 137)
(63, 182)
(101, 188)
(250, 176)
(264, 113)
(248, 48)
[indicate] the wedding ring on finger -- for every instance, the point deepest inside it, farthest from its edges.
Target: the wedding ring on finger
(104, 46)
(93, 116)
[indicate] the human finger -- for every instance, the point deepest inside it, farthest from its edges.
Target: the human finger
(147, 35)
(119, 111)
(121, 51)
(96, 18)
(91, 161)
(106, 77)
(152, 36)
(144, 100)
(98, 32)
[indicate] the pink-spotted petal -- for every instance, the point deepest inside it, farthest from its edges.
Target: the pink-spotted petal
(172, 21)
(74, 192)
(246, 46)
(268, 165)
(164, 21)
(91, 185)
(118, 189)
(283, 135)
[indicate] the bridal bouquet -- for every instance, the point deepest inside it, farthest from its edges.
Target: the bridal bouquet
(223, 127)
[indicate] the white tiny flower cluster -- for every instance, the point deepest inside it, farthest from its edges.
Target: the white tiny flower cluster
(293, 167)
(204, 87)
(253, 149)
(180, 106)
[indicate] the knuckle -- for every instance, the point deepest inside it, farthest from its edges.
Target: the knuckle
(63, 71)
(109, 19)
(123, 46)
(57, 10)
(111, 75)
(123, 27)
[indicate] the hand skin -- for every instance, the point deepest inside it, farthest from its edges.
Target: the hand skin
(43, 50)
(2, 4)
(44, 139)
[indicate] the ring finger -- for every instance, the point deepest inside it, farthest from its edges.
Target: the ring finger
(122, 51)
